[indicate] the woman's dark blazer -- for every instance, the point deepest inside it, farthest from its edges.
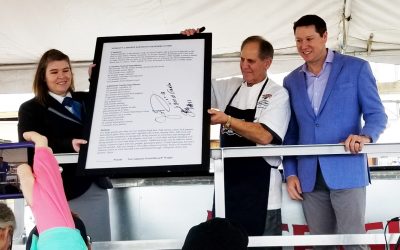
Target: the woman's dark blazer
(59, 126)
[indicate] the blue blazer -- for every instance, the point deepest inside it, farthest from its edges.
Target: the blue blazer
(351, 94)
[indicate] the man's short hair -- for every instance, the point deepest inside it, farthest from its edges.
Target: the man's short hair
(266, 50)
(216, 234)
(308, 20)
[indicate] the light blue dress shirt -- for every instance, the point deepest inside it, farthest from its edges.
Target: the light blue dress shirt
(316, 84)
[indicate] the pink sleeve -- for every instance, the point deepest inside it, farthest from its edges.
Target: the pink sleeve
(49, 206)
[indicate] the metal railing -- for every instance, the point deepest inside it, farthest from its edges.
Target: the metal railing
(291, 150)
(217, 156)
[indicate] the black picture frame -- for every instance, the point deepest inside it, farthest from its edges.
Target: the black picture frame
(179, 46)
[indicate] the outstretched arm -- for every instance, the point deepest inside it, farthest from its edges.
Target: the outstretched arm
(43, 188)
(24, 171)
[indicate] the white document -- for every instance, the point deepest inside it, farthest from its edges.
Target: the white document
(149, 105)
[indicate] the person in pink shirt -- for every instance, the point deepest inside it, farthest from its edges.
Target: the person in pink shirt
(44, 192)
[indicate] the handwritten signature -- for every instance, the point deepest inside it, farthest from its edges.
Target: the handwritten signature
(161, 107)
(165, 103)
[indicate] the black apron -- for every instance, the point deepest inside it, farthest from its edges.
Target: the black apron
(246, 179)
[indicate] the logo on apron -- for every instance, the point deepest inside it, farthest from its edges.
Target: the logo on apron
(229, 131)
(264, 101)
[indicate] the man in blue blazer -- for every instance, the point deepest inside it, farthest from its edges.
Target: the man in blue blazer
(329, 95)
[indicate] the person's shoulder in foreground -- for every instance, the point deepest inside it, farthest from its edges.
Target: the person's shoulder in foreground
(34, 234)
(216, 234)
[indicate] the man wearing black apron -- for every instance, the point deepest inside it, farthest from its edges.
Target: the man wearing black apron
(252, 111)
(246, 179)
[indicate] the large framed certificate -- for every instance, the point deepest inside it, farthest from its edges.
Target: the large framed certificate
(147, 113)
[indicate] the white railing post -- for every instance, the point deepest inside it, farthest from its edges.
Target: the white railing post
(220, 188)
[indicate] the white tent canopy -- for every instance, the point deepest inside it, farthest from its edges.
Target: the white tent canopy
(365, 28)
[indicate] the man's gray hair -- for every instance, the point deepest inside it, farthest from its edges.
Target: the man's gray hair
(7, 217)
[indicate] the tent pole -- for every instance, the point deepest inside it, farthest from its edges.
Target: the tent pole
(346, 17)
